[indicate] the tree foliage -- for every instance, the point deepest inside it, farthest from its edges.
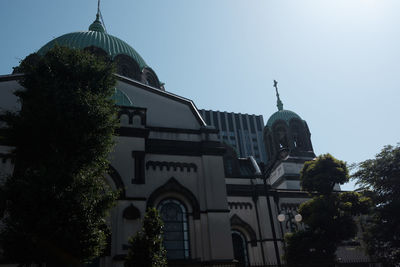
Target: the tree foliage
(380, 178)
(56, 199)
(322, 174)
(328, 216)
(146, 247)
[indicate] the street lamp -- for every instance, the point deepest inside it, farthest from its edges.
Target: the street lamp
(282, 217)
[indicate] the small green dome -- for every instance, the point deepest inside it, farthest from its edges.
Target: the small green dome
(285, 115)
(120, 98)
(97, 37)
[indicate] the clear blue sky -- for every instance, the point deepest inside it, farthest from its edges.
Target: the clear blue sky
(337, 62)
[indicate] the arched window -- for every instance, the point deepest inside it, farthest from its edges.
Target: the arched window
(127, 67)
(297, 130)
(176, 232)
(281, 137)
(149, 77)
(240, 248)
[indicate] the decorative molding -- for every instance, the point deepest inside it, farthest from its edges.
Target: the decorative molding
(132, 132)
(131, 112)
(215, 211)
(182, 100)
(139, 174)
(188, 148)
(172, 185)
(237, 221)
(289, 206)
(171, 166)
(186, 131)
(293, 194)
(240, 205)
(286, 177)
(243, 190)
(119, 184)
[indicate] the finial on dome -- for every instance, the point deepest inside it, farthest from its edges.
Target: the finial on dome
(279, 103)
(98, 8)
(97, 26)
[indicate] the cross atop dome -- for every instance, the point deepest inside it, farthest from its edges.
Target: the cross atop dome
(279, 102)
(97, 25)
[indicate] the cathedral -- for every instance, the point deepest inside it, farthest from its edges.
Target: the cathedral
(217, 207)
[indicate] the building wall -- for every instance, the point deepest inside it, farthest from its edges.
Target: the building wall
(243, 132)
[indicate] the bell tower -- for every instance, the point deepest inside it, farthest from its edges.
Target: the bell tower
(287, 139)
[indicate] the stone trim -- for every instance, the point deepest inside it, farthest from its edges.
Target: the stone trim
(180, 99)
(188, 148)
(240, 205)
(180, 130)
(292, 194)
(171, 165)
(132, 111)
(243, 190)
(215, 211)
(286, 177)
(172, 185)
(139, 172)
(116, 177)
(289, 206)
(132, 132)
(237, 221)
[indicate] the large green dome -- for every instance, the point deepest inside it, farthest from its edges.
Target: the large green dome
(284, 115)
(97, 37)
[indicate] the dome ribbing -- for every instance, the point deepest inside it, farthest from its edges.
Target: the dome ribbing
(97, 37)
(284, 115)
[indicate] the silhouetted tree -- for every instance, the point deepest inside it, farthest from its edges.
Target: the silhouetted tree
(328, 216)
(56, 201)
(380, 178)
(146, 246)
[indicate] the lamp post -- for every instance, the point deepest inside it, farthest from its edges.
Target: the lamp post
(282, 217)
